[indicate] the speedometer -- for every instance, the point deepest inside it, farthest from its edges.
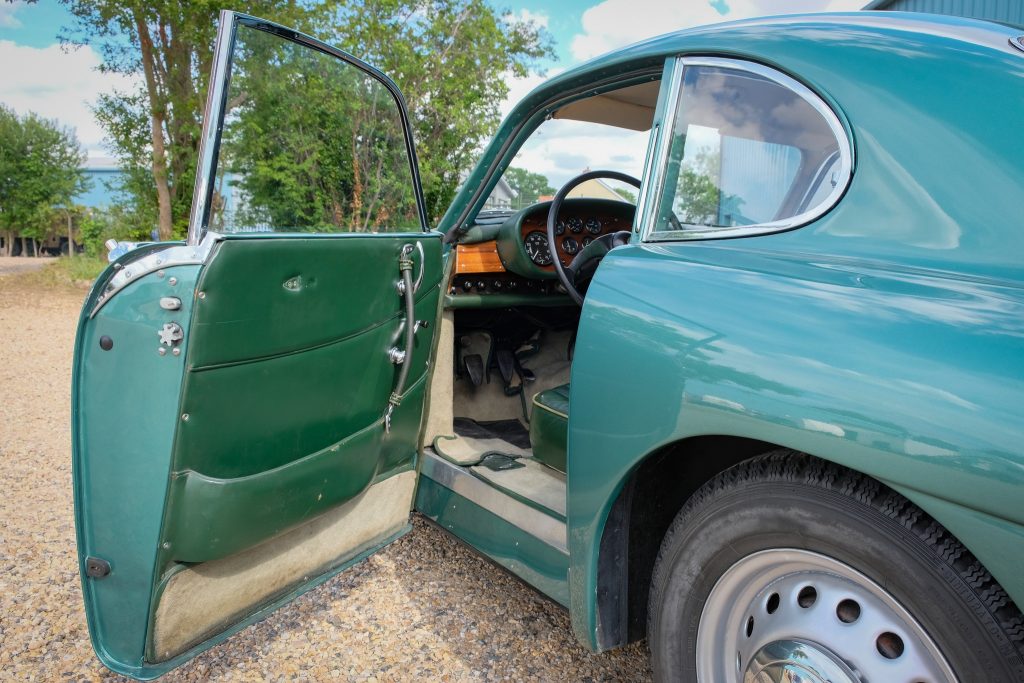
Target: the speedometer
(536, 244)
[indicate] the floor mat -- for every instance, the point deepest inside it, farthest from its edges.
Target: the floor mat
(534, 482)
(511, 431)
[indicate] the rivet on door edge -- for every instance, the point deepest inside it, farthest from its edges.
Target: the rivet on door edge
(95, 568)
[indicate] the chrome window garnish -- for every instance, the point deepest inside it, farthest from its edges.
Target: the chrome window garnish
(157, 260)
(842, 175)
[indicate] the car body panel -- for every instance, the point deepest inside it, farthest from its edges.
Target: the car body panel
(885, 335)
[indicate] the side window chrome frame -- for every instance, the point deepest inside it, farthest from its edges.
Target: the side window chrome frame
(703, 232)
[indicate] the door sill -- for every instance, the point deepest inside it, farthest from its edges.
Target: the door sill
(514, 507)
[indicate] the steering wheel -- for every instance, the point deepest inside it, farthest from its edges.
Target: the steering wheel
(585, 262)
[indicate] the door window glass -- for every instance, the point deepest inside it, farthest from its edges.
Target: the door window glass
(310, 143)
(745, 150)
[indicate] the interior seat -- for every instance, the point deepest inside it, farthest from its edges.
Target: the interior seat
(549, 426)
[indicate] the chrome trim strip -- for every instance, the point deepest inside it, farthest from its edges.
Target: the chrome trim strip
(1018, 43)
(846, 164)
(520, 515)
(209, 142)
(158, 260)
(643, 193)
(652, 186)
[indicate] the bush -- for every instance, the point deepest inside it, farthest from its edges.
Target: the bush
(116, 222)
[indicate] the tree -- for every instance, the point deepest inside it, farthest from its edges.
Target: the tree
(168, 44)
(528, 186)
(698, 199)
(450, 57)
(628, 195)
(39, 171)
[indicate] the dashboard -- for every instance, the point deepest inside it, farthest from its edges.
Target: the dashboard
(573, 231)
(523, 240)
(508, 253)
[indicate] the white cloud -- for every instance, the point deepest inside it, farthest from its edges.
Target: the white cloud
(562, 149)
(539, 19)
(57, 85)
(614, 23)
(518, 88)
(7, 18)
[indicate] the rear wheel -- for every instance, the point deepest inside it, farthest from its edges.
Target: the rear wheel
(789, 568)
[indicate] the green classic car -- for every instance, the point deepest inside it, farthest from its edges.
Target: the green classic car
(769, 417)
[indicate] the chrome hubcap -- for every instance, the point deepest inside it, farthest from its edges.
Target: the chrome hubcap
(793, 615)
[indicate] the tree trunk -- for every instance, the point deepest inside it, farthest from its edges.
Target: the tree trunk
(156, 117)
(8, 239)
(71, 238)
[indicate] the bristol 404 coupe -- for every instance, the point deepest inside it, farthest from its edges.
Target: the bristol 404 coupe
(755, 392)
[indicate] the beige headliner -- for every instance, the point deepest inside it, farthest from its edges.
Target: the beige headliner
(631, 107)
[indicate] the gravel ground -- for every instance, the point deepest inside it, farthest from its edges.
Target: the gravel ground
(423, 608)
(19, 264)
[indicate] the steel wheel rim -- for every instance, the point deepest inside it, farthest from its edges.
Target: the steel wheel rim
(789, 612)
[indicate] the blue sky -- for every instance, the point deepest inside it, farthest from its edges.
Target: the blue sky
(60, 84)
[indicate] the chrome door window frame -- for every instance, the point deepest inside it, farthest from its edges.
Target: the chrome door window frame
(216, 103)
(703, 232)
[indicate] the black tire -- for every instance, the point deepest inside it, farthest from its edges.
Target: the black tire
(786, 499)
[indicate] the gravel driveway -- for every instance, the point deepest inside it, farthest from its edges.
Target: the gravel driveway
(20, 264)
(423, 608)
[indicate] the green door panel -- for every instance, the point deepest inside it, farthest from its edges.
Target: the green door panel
(211, 517)
(248, 417)
(270, 295)
(121, 443)
(180, 463)
(275, 437)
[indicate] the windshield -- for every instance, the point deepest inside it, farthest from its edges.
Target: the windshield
(561, 149)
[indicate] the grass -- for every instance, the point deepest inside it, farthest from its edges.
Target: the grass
(68, 271)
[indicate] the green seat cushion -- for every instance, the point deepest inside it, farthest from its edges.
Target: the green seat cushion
(549, 427)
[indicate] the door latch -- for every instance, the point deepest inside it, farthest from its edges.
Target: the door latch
(171, 334)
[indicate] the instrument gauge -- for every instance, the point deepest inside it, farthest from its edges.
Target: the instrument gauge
(560, 227)
(570, 245)
(536, 244)
(575, 224)
(587, 241)
(593, 226)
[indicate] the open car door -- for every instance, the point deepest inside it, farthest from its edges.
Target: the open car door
(247, 405)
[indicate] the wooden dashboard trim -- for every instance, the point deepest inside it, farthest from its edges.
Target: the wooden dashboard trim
(478, 258)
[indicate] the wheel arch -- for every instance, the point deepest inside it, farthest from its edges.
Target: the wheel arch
(646, 502)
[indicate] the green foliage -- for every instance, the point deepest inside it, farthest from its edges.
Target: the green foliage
(626, 194)
(698, 198)
(451, 58)
(39, 170)
(528, 186)
(170, 45)
(312, 142)
(117, 222)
